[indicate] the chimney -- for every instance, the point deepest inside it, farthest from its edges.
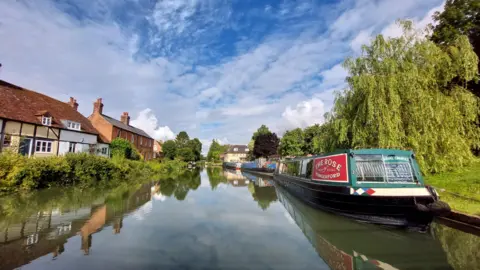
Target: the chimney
(98, 106)
(73, 103)
(125, 118)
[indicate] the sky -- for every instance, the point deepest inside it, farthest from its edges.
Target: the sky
(216, 69)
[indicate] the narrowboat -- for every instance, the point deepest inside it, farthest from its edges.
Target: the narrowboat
(232, 165)
(382, 186)
(268, 167)
(343, 244)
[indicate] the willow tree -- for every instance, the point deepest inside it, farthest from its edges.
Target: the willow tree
(400, 96)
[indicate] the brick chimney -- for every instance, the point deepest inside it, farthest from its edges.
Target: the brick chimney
(125, 118)
(98, 106)
(73, 103)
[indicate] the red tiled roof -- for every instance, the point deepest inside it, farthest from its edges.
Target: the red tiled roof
(24, 105)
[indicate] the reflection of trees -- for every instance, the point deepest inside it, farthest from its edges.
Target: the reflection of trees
(215, 176)
(264, 196)
(180, 186)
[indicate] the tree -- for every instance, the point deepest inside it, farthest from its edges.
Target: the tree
(399, 96)
(251, 145)
(309, 134)
(292, 143)
(214, 152)
(265, 145)
(169, 149)
(261, 130)
(182, 139)
(460, 17)
(185, 154)
(196, 146)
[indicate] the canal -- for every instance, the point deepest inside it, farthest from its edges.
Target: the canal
(209, 219)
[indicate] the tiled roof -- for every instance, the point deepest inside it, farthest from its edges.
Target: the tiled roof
(121, 125)
(25, 105)
(240, 149)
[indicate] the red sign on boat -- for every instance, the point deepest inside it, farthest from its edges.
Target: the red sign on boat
(331, 168)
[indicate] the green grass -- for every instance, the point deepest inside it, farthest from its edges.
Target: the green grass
(460, 189)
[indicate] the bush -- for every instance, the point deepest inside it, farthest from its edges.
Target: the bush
(124, 149)
(19, 172)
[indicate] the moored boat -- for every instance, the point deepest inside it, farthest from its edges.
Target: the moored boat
(232, 165)
(382, 186)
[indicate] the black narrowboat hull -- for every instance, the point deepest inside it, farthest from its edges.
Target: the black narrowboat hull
(401, 211)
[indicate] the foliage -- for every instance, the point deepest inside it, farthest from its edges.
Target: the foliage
(292, 143)
(186, 154)
(399, 96)
(179, 187)
(310, 133)
(216, 177)
(123, 148)
(265, 145)
(264, 196)
(215, 151)
(196, 147)
(250, 145)
(262, 130)
(182, 139)
(19, 172)
(169, 149)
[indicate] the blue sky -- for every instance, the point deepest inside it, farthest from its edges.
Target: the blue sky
(214, 68)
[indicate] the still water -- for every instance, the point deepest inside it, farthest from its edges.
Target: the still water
(210, 219)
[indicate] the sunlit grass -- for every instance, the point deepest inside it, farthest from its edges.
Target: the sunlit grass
(457, 187)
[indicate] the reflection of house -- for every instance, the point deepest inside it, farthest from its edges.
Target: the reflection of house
(34, 124)
(157, 149)
(236, 153)
(110, 128)
(236, 178)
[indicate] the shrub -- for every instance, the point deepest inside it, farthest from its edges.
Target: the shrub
(125, 149)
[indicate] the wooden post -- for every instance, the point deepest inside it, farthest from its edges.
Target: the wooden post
(33, 141)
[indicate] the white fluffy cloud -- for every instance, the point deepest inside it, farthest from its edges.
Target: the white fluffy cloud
(147, 121)
(305, 114)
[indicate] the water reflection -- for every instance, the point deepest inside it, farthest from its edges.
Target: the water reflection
(211, 220)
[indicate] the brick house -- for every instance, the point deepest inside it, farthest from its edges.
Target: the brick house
(157, 149)
(110, 128)
(34, 124)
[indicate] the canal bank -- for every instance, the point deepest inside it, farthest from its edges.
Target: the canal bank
(203, 220)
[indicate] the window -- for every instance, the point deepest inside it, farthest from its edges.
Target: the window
(7, 140)
(71, 147)
(47, 121)
(43, 146)
(246, 149)
(141, 140)
(381, 168)
(155, 148)
(235, 149)
(104, 150)
(133, 138)
(73, 125)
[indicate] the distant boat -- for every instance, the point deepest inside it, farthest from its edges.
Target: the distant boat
(232, 165)
(381, 186)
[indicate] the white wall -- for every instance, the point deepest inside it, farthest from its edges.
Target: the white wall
(79, 137)
(79, 148)
(99, 147)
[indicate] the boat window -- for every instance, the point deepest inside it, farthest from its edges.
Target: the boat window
(383, 168)
(304, 172)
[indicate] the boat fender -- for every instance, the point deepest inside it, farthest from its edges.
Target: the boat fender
(433, 192)
(422, 207)
(439, 208)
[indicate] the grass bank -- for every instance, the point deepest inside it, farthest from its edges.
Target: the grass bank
(19, 173)
(460, 189)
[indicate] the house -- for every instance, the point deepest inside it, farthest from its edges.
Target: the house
(236, 153)
(110, 128)
(157, 149)
(34, 124)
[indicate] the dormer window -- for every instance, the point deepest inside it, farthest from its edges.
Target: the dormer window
(73, 125)
(46, 121)
(246, 150)
(235, 149)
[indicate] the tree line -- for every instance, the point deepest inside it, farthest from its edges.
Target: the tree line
(183, 148)
(419, 91)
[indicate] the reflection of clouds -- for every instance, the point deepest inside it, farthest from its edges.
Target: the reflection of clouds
(143, 211)
(289, 218)
(159, 197)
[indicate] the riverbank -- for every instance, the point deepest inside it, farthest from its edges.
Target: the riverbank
(460, 189)
(19, 173)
